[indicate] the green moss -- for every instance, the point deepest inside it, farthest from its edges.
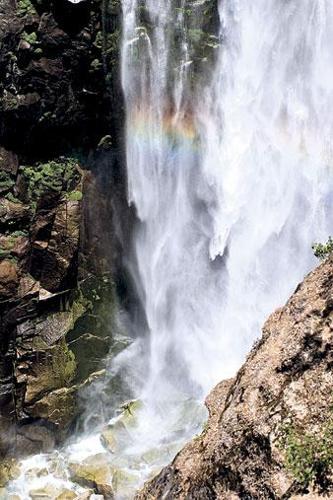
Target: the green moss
(64, 364)
(54, 176)
(19, 234)
(96, 65)
(25, 7)
(196, 35)
(6, 182)
(323, 250)
(309, 457)
(30, 38)
(12, 198)
(74, 196)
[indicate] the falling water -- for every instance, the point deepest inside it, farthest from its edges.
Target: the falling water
(231, 176)
(230, 169)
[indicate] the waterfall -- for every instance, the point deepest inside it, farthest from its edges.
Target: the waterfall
(230, 170)
(229, 164)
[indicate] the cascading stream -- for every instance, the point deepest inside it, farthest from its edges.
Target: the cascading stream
(230, 169)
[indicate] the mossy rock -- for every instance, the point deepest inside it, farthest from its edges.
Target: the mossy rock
(25, 7)
(55, 176)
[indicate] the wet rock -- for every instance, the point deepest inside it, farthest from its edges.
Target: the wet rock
(35, 439)
(92, 349)
(58, 255)
(94, 472)
(57, 407)
(55, 326)
(52, 492)
(54, 369)
(67, 495)
(119, 429)
(8, 471)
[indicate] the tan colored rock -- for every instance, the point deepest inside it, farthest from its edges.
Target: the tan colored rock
(14, 213)
(94, 472)
(287, 378)
(53, 368)
(8, 471)
(9, 279)
(57, 325)
(58, 407)
(67, 495)
(62, 245)
(28, 286)
(51, 492)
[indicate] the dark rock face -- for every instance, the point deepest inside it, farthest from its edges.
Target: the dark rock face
(58, 75)
(269, 434)
(59, 95)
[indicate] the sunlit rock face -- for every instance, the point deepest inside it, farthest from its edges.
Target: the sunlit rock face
(277, 410)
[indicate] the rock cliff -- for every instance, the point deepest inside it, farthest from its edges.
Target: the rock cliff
(269, 433)
(60, 116)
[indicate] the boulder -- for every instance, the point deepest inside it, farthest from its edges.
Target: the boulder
(34, 438)
(51, 492)
(57, 407)
(94, 472)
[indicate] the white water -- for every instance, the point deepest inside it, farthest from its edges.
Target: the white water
(229, 210)
(232, 183)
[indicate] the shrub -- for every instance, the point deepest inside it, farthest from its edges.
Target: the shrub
(323, 250)
(309, 457)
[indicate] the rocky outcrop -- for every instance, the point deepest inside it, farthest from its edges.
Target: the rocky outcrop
(269, 433)
(59, 96)
(59, 78)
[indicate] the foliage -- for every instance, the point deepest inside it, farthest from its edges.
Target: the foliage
(309, 457)
(56, 176)
(25, 7)
(323, 250)
(30, 38)
(74, 196)
(6, 183)
(196, 35)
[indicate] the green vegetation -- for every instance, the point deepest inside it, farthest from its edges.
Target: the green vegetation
(25, 7)
(196, 35)
(96, 65)
(74, 196)
(56, 176)
(323, 250)
(30, 38)
(6, 182)
(309, 457)
(12, 198)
